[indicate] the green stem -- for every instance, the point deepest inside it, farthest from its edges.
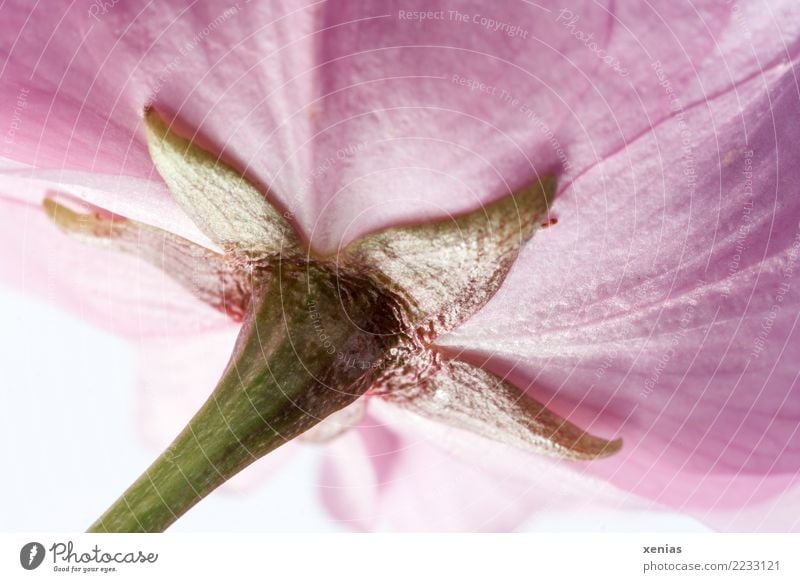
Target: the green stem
(291, 367)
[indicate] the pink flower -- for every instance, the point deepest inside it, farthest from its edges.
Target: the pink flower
(660, 305)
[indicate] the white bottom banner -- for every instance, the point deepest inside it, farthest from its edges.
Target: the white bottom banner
(389, 557)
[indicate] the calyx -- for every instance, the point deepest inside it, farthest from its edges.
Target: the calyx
(361, 323)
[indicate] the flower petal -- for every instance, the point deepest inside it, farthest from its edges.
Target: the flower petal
(422, 475)
(337, 423)
(350, 106)
(83, 76)
(421, 118)
(758, 36)
(152, 204)
(663, 305)
(352, 473)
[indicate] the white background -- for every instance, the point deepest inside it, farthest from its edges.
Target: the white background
(389, 558)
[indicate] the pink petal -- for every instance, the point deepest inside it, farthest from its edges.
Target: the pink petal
(401, 136)
(337, 423)
(778, 514)
(235, 75)
(589, 333)
(176, 377)
(152, 203)
(663, 309)
(350, 113)
(353, 472)
(758, 35)
(423, 476)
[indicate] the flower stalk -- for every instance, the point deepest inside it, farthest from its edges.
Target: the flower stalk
(282, 379)
(319, 331)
